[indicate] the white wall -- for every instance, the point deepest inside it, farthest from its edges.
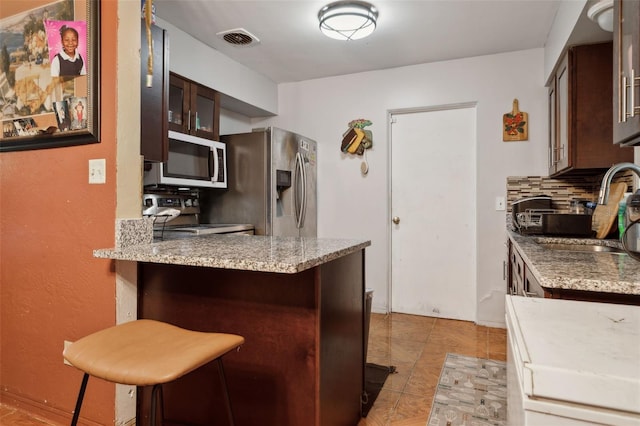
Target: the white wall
(351, 205)
(232, 122)
(193, 59)
(558, 39)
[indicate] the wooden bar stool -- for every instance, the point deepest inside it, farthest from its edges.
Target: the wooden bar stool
(148, 353)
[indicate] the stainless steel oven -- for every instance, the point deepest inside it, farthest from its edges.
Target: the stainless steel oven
(178, 216)
(179, 231)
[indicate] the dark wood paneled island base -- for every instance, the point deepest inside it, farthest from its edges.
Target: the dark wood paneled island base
(303, 360)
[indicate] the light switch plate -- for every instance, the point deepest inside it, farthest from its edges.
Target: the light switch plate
(97, 170)
(500, 204)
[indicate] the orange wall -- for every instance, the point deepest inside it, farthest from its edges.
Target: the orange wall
(51, 288)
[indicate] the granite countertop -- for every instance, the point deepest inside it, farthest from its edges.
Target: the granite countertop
(251, 253)
(586, 271)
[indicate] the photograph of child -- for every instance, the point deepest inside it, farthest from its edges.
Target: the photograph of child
(62, 115)
(67, 47)
(78, 113)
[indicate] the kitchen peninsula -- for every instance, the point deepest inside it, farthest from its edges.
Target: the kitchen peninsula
(299, 303)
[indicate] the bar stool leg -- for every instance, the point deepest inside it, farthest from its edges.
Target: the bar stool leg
(225, 392)
(83, 387)
(155, 394)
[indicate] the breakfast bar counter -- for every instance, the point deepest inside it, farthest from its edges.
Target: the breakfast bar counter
(298, 302)
(249, 253)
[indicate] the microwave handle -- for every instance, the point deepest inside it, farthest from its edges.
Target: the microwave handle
(213, 165)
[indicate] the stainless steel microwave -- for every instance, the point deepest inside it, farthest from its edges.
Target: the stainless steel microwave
(192, 162)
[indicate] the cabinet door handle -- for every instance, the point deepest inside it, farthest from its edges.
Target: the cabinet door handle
(556, 157)
(189, 121)
(504, 270)
(623, 100)
(632, 95)
(634, 82)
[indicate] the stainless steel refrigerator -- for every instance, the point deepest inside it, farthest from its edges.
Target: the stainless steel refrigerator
(271, 183)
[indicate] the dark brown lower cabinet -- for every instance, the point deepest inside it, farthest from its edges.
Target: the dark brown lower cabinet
(516, 270)
(303, 359)
(592, 296)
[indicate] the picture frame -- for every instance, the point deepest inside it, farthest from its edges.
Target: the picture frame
(49, 74)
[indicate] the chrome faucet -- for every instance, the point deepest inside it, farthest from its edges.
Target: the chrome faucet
(603, 197)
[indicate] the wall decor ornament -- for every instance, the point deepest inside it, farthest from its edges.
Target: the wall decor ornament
(355, 140)
(49, 74)
(515, 125)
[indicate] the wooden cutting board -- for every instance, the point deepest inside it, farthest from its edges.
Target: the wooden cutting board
(515, 125)
(604, 216)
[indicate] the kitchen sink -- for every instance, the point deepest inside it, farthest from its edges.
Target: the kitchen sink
(593, 248)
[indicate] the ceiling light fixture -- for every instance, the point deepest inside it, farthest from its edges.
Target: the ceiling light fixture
(348, 20)
(602, 13)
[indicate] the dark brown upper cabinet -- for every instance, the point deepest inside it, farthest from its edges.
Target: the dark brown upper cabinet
(580, 110)
(193, 108)
(626, 72)
(153, 99)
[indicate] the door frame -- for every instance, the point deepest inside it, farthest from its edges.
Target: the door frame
(412, 110)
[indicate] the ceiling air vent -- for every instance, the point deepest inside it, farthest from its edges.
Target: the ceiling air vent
(239, 37)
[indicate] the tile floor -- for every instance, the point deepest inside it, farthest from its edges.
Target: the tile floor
(415, 345)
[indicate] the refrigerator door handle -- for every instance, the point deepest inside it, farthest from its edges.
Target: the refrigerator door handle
(303, 212)
(300, 195)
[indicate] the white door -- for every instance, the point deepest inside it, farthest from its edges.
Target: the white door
(433, 199)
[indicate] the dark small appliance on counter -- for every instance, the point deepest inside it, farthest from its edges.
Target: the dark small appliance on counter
(632, 215)
(567, 224)
(535, 215)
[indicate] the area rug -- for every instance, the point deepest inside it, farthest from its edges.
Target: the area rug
(471, 391)
(374, 377)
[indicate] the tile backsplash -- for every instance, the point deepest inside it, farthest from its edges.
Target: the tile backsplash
(561, 190)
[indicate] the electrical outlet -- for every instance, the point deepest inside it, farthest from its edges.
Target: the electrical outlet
(66, 344)
(97, 170)
(500, 204)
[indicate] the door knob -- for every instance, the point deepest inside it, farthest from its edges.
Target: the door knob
(396, 220)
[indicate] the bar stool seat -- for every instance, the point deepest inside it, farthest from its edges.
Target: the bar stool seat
(147, 353)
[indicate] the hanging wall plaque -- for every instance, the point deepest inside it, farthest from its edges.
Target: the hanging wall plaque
(515, 125)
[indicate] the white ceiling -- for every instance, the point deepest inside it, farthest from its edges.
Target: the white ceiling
(292, 48)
